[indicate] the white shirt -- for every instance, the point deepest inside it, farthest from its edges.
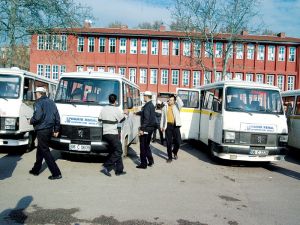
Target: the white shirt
(111, 116)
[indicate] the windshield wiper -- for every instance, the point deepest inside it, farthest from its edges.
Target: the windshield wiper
(4, 98)
(240, 109)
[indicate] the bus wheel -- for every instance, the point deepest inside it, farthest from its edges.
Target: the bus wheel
(31, 138)
(212, 147)
(125, 147)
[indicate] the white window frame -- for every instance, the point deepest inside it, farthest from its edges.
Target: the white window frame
(271, 53)
(40, 70)
(63, 69)
(197, 48)
(101, 69)
(48, 42)
(91, 44)
(261, 52)
(228, 76)
(219, 50)
(55, 69)
(239, 51)
(280, 82)
(112, 45)
(153, 76)
(291, 83)
(250, 51)
(196, 78)
(80, 43)
(144, 46)
(238, 76)
(292, 54)
(249, 77)
(48, 71)
(176, 48)
(175, 77)
(218, 76)
(186, 78)
(56, 42)
(270, 79)
(41, 42)
(122, 71)
(259, 78)
(208, 50)
(154, 47)
(143, 76)
(165, 47)
(164, 76)
(133, 46)
(230, 50)
(79, 68)
(207, 77)
(132, 75)
(123, 42)
(90, 68)
(187, 48)
(64, 43)
(281, 53)
(111, 69)
(102, 41)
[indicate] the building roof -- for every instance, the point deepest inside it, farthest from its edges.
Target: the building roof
(177, 34)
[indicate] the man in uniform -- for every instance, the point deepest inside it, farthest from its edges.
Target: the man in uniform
(46, 121)
(110, 116)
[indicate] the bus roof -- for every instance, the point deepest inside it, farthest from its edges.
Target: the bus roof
(292, 92)
(239, 83)
(97, 75)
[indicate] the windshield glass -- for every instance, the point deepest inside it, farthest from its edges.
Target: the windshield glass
(86, 91)
(9, 86)
(253, 100)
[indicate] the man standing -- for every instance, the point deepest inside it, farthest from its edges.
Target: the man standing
(147, 127)
(171, 123)
(110, 117)
(46, 121)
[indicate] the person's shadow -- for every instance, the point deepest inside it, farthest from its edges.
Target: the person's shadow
(8, 163)
(16, 214)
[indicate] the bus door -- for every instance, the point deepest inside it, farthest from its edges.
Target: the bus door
(190, 113)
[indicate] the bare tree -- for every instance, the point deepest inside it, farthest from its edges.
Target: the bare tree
(116, 24)
(205, 20)
(147, 25)
(21, 18)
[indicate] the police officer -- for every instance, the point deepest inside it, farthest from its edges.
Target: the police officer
(110, 116)
(46, 121)
(148, 123)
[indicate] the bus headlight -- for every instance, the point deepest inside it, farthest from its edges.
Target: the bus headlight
(283, 138)
(229, 136)
(10, 123)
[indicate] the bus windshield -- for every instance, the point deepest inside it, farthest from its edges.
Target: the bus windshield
(9, 86)
(253, 100)
(87, 91)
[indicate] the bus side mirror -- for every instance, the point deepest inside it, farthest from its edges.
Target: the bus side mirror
(129, 103)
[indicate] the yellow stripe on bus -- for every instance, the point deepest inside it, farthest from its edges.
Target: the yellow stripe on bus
(205, 112)
(295, 117)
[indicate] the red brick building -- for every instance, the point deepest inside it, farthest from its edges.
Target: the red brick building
(161, 60)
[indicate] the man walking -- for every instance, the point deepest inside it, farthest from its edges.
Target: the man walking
(171, 123)
(110, 117)
(147, 127)
(46, 121)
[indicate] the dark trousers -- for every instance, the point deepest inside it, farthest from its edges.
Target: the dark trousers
(43, 152)
(161, 135)
(115, 157)
(173, 136)
(145, 151)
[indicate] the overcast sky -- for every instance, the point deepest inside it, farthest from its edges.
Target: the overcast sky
(277, 15)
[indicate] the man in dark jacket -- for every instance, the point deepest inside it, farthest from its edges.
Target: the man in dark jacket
(46, 121)
(147, 127)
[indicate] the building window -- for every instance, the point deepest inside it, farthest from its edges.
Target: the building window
(48, 45)
(249, 77)
(55, 42)
(55, 72)
(292, 54)
(230, 50)
(260, 78)
(80, 44)
(64, 42)
(271, 53)
(218, 76)
(280, 82)
(238, 76)
(79, 68)
(250, 51)
(133, 46)
(165, 47)
(122, 71)
(228, 76)
(123, 45)
(239, 51)
(291, 83)
(175, 50)
(91, 44)
(144, 46)
(63, 69)
(132, 75)
(101, 44)
(112, 45)
(111, 69)
(154, 47)
(40, 69)
(197, 48)
(90, 68)
(196, 78)
(270, 79)
(208, 49)
(207, 77)
(101, 68)
(153, 76)
(281, 53)
(186, 48)
(186, 78)
(261, 52)
(143, 76)
(48, 71)
(175, 77)
(40, 42)
(164, 77)
(219, 50)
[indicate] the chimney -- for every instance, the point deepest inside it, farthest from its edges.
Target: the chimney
(244, 33)
(87, 24)
(281, 34)
(162, 28)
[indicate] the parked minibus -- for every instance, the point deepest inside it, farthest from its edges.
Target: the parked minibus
(237, 120)
(16, 105)
(80, 98)
(291, 101)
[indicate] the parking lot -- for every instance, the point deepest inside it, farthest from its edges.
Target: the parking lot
(192, 190)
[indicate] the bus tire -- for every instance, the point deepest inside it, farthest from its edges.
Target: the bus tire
(211, 152)
(31, 142)
(125, 147)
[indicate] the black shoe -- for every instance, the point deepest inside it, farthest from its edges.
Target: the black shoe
(175, 156)
(169, 160)
(34, 173)
(105, 172)
(55, 177)
(150, 164)
(141, 167)
(120, 173)
(153, 140)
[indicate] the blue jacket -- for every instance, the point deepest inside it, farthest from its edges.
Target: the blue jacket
(148, 119)
(45, 115)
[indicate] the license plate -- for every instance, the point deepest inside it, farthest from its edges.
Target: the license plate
(258, 152)
(76, 147)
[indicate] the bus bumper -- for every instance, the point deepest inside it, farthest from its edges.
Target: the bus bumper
(11, 140)
(91, 147)
(246, 153)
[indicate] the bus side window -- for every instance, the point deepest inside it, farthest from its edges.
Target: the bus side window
(297, 109)
(288, 104)
(28, 91)
(218, 100)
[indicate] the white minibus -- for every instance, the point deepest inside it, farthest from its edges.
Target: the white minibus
(291, 101)
(16, 105)
(80, 97)
(238, 120)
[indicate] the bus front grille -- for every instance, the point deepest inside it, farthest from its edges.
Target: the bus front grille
(81, 133)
